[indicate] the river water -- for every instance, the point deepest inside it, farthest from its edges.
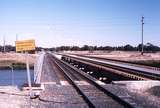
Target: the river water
(19, 77)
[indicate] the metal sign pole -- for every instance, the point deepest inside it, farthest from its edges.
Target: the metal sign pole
(28, 75)
(26, 45)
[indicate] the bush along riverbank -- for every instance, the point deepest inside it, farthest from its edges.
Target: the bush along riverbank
(16, 66)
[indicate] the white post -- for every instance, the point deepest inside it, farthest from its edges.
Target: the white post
(28, 75)
(10, 66)
(12, 76)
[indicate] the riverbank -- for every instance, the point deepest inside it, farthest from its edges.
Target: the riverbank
(16, 60)
(18, 57)
(16, 66)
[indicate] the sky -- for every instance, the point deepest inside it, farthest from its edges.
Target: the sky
(55, 23)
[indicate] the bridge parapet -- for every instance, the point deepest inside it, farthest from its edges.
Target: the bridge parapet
(38, 67)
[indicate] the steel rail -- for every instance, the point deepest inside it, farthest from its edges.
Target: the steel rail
(88, 101)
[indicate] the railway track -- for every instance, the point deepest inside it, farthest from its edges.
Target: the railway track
(125, 62)
(133, 72)
(94, 93)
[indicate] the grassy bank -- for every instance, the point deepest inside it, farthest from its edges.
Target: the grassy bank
(19, 66)
(15, 65)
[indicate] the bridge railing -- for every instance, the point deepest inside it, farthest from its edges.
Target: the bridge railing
(38, 68)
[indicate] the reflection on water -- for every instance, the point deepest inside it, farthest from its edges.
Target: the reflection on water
(20, 77)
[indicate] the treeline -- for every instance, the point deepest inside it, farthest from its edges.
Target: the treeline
(8, 48)
(147, 48)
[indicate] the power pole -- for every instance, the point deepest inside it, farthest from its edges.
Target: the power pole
(16, 37)
(142, 50)
(4, 42)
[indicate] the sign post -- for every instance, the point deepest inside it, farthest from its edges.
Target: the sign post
(28, 75)
(26, 45)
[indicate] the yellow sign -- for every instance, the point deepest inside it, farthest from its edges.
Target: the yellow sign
(25, 45)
